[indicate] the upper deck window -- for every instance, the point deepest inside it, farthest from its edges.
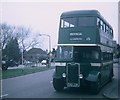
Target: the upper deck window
(68, 22)
(86, 21)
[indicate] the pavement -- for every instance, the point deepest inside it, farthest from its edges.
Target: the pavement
(112, 93)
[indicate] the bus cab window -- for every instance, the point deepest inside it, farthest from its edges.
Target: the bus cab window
(102, 25)
(64, 52)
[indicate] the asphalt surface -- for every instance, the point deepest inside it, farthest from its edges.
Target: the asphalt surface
(113, 91)
(39, 85)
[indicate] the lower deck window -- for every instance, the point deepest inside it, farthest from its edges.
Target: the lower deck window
(85, 54)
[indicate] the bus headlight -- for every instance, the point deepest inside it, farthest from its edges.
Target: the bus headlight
(64, 75)
(80, 76)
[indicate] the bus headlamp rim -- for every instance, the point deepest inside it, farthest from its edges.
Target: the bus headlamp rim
(64, 75)
(80, 76)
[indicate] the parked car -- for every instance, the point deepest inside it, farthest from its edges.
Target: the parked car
(44, 62)
(4, 67)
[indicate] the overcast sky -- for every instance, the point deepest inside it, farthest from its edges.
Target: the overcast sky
(43, 17)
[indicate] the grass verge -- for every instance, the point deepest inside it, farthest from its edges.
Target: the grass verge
(10, 73)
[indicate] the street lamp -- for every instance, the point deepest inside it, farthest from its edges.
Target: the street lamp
(49, 41)
(49, 46)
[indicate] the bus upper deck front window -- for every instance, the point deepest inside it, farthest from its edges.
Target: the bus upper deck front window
(68, 22)
(86, 21)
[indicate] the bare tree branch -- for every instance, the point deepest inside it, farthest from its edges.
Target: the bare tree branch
(21, 33)
(6, 33)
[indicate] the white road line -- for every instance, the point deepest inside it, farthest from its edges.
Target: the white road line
(4, 95)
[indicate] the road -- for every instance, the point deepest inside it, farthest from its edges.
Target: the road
(39, 85)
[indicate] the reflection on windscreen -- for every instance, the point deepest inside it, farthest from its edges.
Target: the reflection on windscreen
(64, 52)
(86, 21)
(68, 22)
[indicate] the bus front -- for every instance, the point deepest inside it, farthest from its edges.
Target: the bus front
(77, 49)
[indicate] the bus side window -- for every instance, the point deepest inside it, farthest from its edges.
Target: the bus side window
(106, 28)
(111, 33)
(98, 22)
(102, 25)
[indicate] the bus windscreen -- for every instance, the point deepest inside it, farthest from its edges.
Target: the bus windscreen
(72, 22)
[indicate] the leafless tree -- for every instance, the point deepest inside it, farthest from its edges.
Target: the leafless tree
(21, 33)
(6, 33)
(25, 40)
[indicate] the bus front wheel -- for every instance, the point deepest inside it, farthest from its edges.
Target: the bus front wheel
(110, 75)
(96, 86)
(58, 84)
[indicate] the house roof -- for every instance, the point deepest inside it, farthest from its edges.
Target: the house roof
(36, 51)
(35, 54)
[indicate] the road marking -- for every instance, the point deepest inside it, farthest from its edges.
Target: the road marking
(4, 95)
(51, 81)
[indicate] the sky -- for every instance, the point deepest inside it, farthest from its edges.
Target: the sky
(43, 17)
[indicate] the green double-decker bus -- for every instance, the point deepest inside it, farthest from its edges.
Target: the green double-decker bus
(85, 51)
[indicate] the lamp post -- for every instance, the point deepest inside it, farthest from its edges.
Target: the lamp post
(22, 56)
(49, 46)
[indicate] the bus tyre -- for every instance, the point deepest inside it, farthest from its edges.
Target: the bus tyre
(96, 86)
(110, 76)
(58, 85)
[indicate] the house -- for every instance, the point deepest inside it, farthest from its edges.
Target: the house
(35, 55)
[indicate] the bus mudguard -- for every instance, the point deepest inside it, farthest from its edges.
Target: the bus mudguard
(55, 76)
(93, 76)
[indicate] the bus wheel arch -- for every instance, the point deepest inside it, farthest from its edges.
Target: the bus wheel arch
(96, 86)
(58, 84)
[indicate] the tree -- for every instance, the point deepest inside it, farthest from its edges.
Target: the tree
(12, 53)
(21, 33)
(6, 34)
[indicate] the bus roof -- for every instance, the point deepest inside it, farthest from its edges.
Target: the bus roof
(80, 12)
(84, 13)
